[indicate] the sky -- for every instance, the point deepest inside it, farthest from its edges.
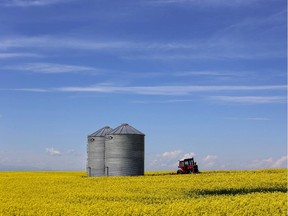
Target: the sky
(201, 78)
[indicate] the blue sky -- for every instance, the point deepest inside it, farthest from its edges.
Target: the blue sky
(202, 78)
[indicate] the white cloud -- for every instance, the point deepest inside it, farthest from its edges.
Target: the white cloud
(249, 119)
(50, 68)
(171, 90)
(28, 3)
(231, 42)
(252, 99)
(174, 50)
(263, 163)
(269, 163)
(27, 90)
(188, 155)
(17, 55)
(167, 160)
(209, 161)
(52, 151)
(281, 162)
(249, 24)
(172, 154)
(209, 158)
(202, 73)
(163, 101)
(184, 90)
(258, 119)
(209, 3)
(63, 42)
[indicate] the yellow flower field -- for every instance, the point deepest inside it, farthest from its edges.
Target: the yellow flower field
(260, 192)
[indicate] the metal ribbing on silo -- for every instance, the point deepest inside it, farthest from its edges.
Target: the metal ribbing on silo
(96, 152)
(124, 151)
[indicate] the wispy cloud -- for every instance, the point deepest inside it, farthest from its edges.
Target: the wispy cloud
(218, 3)
(63, 42)
(50, 68)
(169, 159)
(231, 51)
(27, 90)
(88, 44)
(171, 154)
(234, 41)
(249, 119)
(52, 151)
(182, 90)
(281, 162)
(251, 99)
(188, 155)
(18, 55)
(162, 101)
(249, 24)
(269, 163)
(131, 50)
(29, 3)
(210, 157)
(176, 90)
(203, 73)
(210, 160)
(258, 119)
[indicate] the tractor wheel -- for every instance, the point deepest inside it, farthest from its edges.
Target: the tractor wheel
(179, 172)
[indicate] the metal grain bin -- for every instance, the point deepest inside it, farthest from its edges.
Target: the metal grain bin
(96, 152)
(124, 152)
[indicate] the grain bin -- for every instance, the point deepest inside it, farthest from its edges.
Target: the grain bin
(96, 152)
(124, 151)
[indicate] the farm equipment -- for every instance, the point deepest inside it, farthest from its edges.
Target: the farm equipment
(187, 166)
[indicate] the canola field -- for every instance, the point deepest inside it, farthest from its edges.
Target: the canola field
(258, 192)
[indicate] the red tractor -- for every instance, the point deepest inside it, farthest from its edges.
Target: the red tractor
(187, 166)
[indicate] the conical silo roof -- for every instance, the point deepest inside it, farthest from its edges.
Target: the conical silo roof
(125, 129)
(101, 132)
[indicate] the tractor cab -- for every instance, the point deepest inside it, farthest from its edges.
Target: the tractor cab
(187, 165)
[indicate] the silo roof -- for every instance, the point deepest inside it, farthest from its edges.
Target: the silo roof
(101, 132)
(125, 129)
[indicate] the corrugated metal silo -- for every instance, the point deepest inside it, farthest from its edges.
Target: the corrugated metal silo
(96, 152)
(124, 154)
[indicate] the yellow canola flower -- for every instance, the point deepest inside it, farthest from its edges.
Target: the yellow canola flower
(257, 192)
